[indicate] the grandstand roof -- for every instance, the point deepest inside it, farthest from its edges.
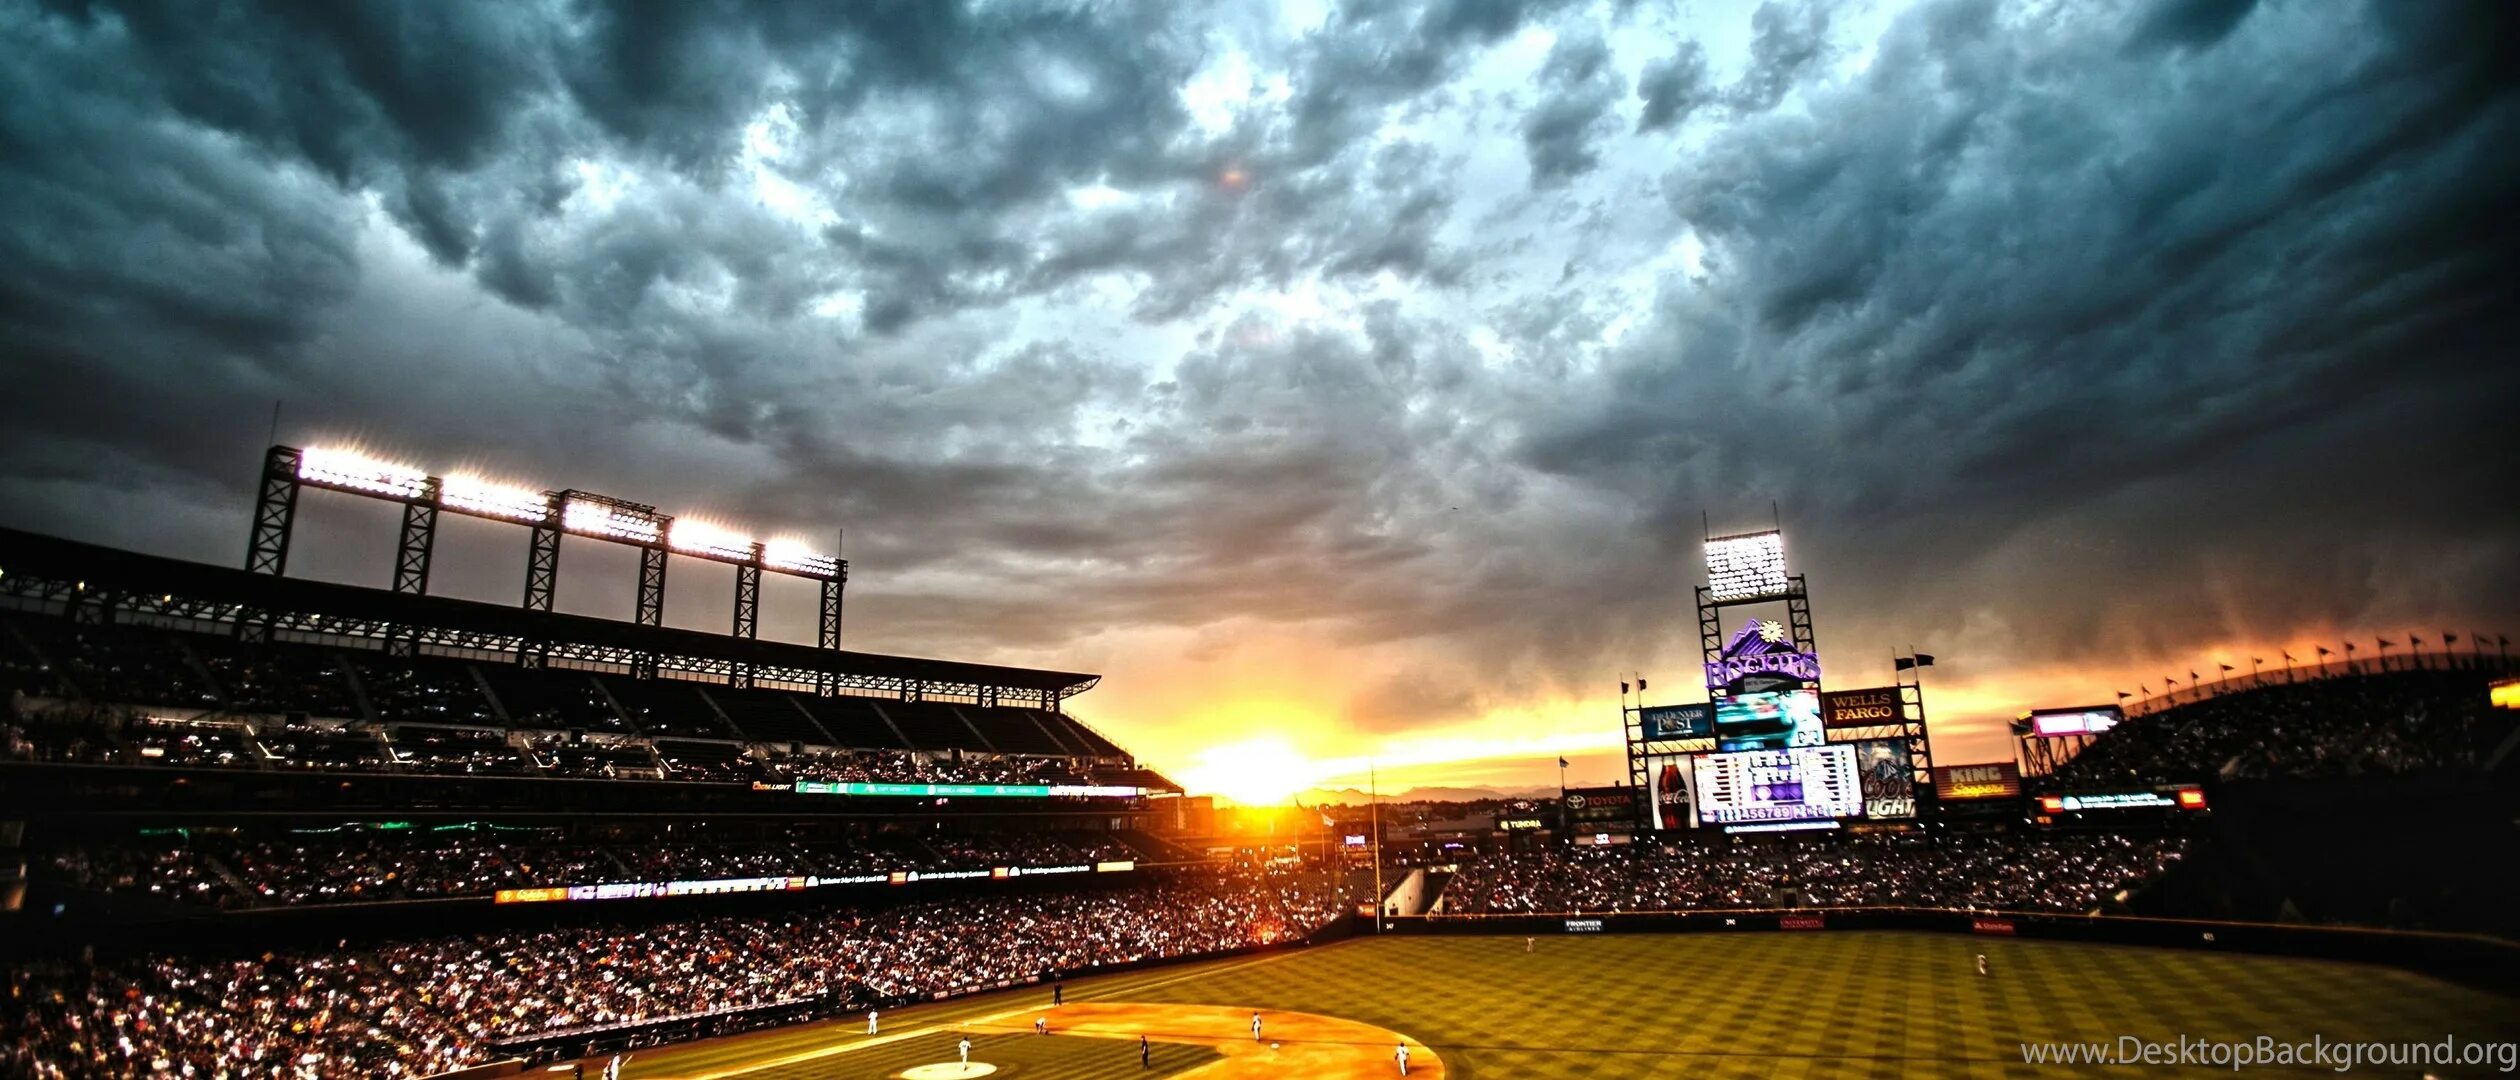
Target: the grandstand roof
(33, 565)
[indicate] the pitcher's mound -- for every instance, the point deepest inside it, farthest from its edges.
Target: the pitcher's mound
(949, 1070)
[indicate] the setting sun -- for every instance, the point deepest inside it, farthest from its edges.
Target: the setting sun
(1255, 772)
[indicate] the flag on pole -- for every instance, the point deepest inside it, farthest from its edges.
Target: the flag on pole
(2416, 641)
(1623, 690)
(1640, 684)
(2387, 644)
(2123, 695)
(2225, 667)
(1902, 663)
(2448, 638)
(1561, 763)
(2288, 657)
(1924, 659)
(2323, 650)
(2143, 689)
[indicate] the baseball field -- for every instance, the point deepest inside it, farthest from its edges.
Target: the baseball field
(1833, 1004)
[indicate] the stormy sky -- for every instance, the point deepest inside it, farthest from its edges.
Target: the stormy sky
(1356, 376)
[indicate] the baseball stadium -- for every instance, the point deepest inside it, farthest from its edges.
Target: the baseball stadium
(273, 825)
(1258, 540)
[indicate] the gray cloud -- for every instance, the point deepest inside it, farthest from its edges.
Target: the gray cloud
(1787, 41)
(1673, 88)
(1577, 87)
(2056, 339)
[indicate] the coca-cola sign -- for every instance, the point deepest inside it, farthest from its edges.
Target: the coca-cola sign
(1671, 792)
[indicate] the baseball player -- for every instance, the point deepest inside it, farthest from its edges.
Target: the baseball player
(1255, 1027)
(870, 1021)
(964, 1048)
(1146, 1054)
(1041, 1025)
(1402, 1054)
(1981, 963)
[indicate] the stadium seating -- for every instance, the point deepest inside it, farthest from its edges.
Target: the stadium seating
(425, 690)
(145, 695)
(301, 865)
(2066, 872)
(854, 722)
(456, 751)
(667, 707)
(2396, 722)
(770, 716)
(419, 1007)
(553, 700)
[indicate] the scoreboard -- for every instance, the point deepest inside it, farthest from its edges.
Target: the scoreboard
(1797, 783)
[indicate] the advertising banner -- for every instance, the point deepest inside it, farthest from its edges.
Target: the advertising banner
(2184, 798)
(1875, 707)
(1589, 806)
(2088, 720)
(1889, 778)
(1962, 783)
(970, 791)
(1670, 792)
(1677, 721)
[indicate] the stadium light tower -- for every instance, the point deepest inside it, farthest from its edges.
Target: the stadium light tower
(549, 515)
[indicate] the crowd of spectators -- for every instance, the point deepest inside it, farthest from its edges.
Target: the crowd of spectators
(136, 695)
(354, 864)
(95, 738)
(2065, 872)
(416, 1008)
(2340, 727)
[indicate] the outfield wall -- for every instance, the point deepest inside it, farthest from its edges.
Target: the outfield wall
(2468, 958)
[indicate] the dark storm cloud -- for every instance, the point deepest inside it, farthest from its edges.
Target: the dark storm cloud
(1673, 88)
(2029, 307)
(1578, 86)
(2188, 24)
(2044, 303)
(1787, 40)
(1379, 52)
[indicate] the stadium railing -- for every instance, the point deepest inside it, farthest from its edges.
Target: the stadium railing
(2356, 666)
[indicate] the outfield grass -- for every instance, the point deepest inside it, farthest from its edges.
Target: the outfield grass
(1829, 1004)
(1820, 1005)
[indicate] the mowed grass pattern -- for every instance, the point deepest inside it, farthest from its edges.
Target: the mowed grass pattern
(1815, 1005)
(1829, 1004)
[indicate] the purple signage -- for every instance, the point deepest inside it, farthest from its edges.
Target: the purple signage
(1762, 647)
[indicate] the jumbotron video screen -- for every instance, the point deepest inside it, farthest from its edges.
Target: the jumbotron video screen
(1769, 720)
